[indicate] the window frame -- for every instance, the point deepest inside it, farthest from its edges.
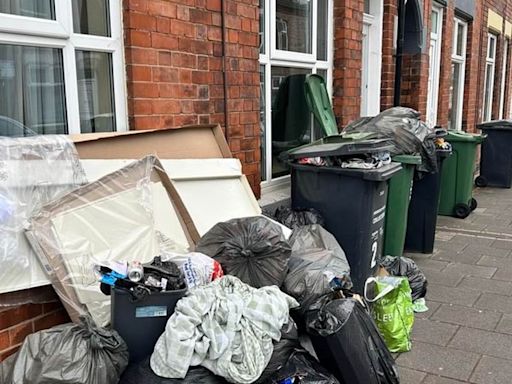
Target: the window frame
(489, 61)
(272, 57)
(434, 67)
(504, 71)
(461, 60)
(58, 33)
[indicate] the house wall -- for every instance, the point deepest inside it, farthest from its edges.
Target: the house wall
(174, 63)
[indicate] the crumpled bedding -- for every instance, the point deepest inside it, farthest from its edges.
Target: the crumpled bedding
(226, 326)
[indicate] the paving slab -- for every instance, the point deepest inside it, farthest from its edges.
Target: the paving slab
(470, 270)
(494, 302)
(487, 285)
(438, 360)
(492, 370)
(469, 317)
(431, 379)
(434, 332)
(410, 376)
(432, 308)
(483, 343)
(449, 295)
(505, 324)
(447, 279)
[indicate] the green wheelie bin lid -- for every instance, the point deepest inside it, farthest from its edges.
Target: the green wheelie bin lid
(457, 136)
(319, 103)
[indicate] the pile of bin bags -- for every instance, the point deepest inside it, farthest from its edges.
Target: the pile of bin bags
(396, 131)
(237, 326)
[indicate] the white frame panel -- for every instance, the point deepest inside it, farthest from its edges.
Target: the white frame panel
(504, 70)
(460, 59)
(370, 98)
(274, 57)
(490, 61)
(434, 68)
(31, 31)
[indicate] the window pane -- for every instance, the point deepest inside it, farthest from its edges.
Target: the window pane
(455, 96)
(491, 49)
(460, 39)
(293, 25)
(262, 26)
(263, 133)
(95, 91)
(32, 90)
(43, 9)
(434, 22)
(367, 9)
(322, 30)
(489, 69)
(91, 17)
(291, 119)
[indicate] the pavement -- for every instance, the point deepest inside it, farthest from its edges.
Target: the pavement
(466, 336)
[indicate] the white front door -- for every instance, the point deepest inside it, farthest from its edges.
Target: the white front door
(435, 63)
(364, 72)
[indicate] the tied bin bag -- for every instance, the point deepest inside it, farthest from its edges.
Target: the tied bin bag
(68, 354)
(254, 249)
(392, 310)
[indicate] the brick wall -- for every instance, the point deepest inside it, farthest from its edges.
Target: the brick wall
(173, 52)
(348, 35)
(16, 322)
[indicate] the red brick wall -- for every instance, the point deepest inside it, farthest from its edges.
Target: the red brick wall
(388, 54)
(348, 35)
(16, 322)
(173, 52)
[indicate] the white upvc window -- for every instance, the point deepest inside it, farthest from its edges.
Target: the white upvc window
(456, 103)
(434, 65)
(504, 74)
(296, 38)
(62, 66)
(490, 69)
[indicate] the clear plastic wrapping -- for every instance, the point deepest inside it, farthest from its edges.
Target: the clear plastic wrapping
(33, 171)
(119, 217)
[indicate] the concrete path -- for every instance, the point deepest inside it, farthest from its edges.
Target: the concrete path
(466, 336)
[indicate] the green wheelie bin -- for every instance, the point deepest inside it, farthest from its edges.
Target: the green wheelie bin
(399, 196)
(457, 177)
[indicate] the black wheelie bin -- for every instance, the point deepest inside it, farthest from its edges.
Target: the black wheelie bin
(352, 201)
(496, 157)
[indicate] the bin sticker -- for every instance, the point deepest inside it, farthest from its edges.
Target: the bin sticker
(151, 311)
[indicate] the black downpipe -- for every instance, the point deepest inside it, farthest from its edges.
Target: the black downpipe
(224, 67)
(399, 52)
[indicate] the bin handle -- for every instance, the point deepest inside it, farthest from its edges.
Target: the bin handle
(384, 292)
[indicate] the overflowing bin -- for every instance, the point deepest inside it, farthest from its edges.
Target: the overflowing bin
(352, 201)
(399, 194)
(422, 215)
(496, 158)
(457, 176)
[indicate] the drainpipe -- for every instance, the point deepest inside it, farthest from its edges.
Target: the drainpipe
(399, 51)
(224, 67)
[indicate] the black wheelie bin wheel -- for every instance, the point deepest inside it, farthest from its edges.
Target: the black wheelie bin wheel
(462, 211)
(481, 181)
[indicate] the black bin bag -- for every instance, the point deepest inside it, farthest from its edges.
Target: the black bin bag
(141, 373)
(301, 368)
(68, 354)
(347, 343)
(254, 249)
(317, 266)
(405, 267)
(296, 218)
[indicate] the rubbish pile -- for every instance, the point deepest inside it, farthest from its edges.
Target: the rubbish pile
(245, 299)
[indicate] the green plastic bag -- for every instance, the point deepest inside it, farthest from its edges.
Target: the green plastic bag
(392, 310)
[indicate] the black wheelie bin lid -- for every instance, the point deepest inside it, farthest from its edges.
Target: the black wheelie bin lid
(339, 146)
(495, 124)
(374, 174)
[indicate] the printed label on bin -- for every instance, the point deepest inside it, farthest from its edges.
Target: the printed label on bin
(151, 311)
